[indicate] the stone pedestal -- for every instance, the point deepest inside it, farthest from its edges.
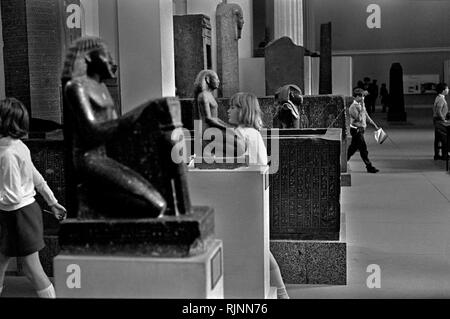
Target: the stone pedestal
(284, 64)
(311, 262)
(240, 199)
(305, 191)
(229, 22)
(167, 236)
(196, 277)
(305, 214)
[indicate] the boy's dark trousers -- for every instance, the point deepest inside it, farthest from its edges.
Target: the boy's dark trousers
(438, 143)
(358, 143)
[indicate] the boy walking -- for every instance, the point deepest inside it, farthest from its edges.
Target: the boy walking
(358, 124)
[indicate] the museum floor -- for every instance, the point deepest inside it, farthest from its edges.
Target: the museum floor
(398, 219)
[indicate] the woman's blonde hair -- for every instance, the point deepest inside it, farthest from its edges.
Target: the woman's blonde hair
(250, 111)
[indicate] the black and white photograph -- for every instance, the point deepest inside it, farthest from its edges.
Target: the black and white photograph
(242, 151)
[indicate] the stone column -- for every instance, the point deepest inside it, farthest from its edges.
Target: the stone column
(229, 24)
(288, 16)
(32, 54)
(396, 112)
(146, 50)
(325, 78)
(2, 67)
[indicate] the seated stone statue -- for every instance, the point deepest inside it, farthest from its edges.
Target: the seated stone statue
(123, 163)
(206, 110)
(205, 104)
(289, 108)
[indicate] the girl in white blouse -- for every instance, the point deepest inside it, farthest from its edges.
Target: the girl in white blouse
(245, 114)
(21, 227)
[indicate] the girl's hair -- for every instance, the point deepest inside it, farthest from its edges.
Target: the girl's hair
(250, 111)
(14, 120)
(75, 64)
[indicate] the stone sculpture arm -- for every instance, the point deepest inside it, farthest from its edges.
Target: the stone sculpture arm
(91, 127)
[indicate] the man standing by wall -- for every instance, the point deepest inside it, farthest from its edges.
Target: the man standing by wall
(440, 115)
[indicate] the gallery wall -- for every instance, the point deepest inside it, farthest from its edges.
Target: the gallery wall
(412, 32)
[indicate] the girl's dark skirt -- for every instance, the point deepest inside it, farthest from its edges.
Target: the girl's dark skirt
(21, 231)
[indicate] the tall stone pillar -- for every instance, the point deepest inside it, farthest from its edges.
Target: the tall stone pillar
(396, 97)
(325, 77)
(288, 16)
(32, 55)
(146, 50)
(229, 24)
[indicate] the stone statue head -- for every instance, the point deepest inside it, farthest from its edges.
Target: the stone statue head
(288, 100)
(239, 20)
(206, 79)
(88, 55)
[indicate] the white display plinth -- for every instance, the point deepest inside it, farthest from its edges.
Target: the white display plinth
(195, 277)
(240, 198)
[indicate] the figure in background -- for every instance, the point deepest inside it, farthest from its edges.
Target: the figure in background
(112, 187)
(373, 94)
(384, 94)
(289, 107)
(21, 227)
(245, 114)
(358, 124)
(440, 115)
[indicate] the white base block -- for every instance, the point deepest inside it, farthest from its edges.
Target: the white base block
(272, 293)
(240, 198)
(195, 277)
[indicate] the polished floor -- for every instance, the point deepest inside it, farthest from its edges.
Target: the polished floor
(398, 219)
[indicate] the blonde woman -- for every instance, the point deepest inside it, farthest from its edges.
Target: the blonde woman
(245, 114)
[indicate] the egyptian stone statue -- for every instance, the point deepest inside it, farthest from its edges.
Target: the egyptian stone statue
(289, 107)
(206, 107)
(206, 111)
(123, 164)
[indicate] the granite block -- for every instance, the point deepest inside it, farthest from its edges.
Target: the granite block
(305, 190)
(167, 236)
(192, 39)
(284, 64)
(311, 262)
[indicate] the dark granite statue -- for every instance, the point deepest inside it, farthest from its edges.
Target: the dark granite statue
(289, 107)
(206, 107)
(123, 164)
(206, 110)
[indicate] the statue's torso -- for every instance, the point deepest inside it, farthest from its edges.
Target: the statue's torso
(98, 103)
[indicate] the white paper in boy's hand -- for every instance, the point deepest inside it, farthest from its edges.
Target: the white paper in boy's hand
(380, 136)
